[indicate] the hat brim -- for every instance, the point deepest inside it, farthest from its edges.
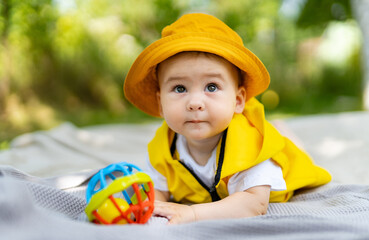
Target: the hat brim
(141, 85)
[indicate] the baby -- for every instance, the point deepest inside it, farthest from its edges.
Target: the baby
(215, 156)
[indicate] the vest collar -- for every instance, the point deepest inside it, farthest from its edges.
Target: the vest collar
(220, 159)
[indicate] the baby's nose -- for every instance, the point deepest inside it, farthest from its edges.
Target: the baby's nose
(194, 107)
(196, 104)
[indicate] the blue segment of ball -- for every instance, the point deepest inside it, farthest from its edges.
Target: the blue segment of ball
(102, 175)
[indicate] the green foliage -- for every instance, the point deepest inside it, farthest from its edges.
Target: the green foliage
(247, 18)
(320, 13)
(69, 64)
(4, 145)
(166, 11)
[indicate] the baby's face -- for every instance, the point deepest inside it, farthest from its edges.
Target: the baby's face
(199, 94)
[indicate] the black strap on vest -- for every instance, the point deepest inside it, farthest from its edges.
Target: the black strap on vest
(212, 190)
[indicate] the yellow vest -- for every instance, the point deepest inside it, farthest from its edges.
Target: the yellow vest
(249, 140)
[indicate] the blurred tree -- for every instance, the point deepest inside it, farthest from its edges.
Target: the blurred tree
(319, 13)
(5, 58)
(328, 55)
(251, 19)
(24, 45)
(361, 10)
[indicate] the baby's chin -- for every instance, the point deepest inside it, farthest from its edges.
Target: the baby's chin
(201, 136)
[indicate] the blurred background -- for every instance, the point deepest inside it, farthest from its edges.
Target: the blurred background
(66, 60)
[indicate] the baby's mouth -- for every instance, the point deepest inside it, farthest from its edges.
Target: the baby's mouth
(195, 121)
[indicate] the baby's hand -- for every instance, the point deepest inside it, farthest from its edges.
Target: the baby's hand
(174, 212)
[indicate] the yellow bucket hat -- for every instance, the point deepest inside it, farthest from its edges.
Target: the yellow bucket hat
(192, 32)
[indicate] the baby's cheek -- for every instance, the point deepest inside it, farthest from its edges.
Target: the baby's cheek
(173, 116)
(223, 119)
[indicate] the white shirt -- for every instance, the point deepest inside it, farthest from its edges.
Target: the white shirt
(265, 173)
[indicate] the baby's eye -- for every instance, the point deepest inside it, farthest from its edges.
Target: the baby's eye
(211, 87)
(179, 89)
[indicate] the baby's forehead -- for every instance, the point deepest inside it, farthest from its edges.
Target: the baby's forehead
(195, 55)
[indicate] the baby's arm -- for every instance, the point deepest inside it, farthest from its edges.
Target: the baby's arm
(251, 202)
(162, 195)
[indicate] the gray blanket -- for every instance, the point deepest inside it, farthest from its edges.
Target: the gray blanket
(33, 208)
(49, 202)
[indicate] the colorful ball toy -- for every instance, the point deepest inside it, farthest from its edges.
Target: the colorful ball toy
(118, 194)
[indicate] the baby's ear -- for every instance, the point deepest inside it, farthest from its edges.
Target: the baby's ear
(240, 100)
(159, 103)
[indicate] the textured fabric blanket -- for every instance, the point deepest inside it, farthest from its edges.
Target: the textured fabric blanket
(43, 179)
(33, 208)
